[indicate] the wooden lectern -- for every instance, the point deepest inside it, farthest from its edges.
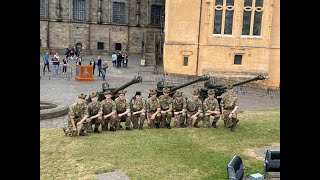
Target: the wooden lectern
(84, 73)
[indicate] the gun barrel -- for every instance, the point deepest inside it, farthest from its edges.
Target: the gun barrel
(202, 78)
(259, 77)
(136, 79)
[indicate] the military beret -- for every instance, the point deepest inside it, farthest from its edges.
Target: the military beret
(166, 90)
(107, 92)
(138, 93)
(178, 94)
(122, 92)
(195, 92)
(82, 96)
(229, 86)
(92, 95)
(152, 92)
(210, 92)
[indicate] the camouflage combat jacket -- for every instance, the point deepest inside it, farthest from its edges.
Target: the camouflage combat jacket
(165, 102)
(122, 105)
(210, 105)
(152, 105)
(95, 108)
(78, 111)
(108, 106)
(194, 106)
(229, 102)
(178, 106)
(136, 105)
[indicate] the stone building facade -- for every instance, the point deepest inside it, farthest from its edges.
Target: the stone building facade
(98, 26)
(226, 37)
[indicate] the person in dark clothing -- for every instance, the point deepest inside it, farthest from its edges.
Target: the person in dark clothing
(92, 62)
(99, 64)
(65, 64)
(119, 59)
(125, 60)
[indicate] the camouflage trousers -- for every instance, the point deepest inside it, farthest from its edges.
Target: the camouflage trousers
(179, 119)
(229, 122)
(153, 121)
(165, 119)
(82, 129)
(206, 119)
(112, 120)
(189, 119)
(136, 118)
(126, 118)
(96, 122)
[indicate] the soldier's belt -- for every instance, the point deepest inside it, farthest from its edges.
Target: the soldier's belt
(164, 109)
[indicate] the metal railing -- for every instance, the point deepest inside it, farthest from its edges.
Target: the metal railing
(52, 74)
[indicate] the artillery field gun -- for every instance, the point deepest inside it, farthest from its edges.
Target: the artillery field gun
(114, 91)
(162, 84)
(220, 89)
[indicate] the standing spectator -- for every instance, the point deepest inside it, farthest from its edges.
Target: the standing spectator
(65, 63)
(72, 52)
(46, 62)
(56, 62)
(125, 60)
(79, 60)
(104, 70)
(93, 63)
(114, 59)
(99, 63)
(122, 61)
(67, 53)
(119, 59)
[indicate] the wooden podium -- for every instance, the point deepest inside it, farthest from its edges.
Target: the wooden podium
(84, 73)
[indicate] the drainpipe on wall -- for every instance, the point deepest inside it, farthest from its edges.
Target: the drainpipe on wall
(198, 48)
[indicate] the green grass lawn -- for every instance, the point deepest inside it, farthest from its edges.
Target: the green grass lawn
(187, 153)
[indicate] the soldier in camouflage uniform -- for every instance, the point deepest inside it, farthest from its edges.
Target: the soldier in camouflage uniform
(153, 109)
(194, 110)
(78, 113)
(108, 112)
(229, 105)
(166, 108)
(211, 108)
(138, 109)
(123, 110)
(95, 113)
(179, 106)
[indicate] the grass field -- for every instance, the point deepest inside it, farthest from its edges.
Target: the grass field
(186, 153)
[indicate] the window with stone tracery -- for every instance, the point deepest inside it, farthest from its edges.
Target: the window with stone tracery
(43, 9)
(223, 17)
(79, 10)
(119, 12)
(252, 17)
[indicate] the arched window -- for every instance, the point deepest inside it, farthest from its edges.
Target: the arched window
(223, 17)
(252, 17)
(119, 12)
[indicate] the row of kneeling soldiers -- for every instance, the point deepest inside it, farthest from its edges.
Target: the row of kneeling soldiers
(83, 118)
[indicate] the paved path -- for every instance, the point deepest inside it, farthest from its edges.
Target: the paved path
(65, 90)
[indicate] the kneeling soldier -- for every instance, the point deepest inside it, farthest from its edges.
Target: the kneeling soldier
(95, 113)
(153, 109)
(179, 110)
(123, 110)
(211, 108)
(166, 108)
(194, 110)
(108, 112)
(138, 106)
(229, 106)
(77, 115)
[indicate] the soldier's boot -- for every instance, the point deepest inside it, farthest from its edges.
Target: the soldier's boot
(168, 126)
(127, 128)
(225, 123)
(120, 126)
(237, 120)
(82, 133)
(140, 126)
(232, 129)
(96, 130)
(64, 130)
(182, 125)
(214, 124)
(196, 125)
(104, 127)
(156, 125)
